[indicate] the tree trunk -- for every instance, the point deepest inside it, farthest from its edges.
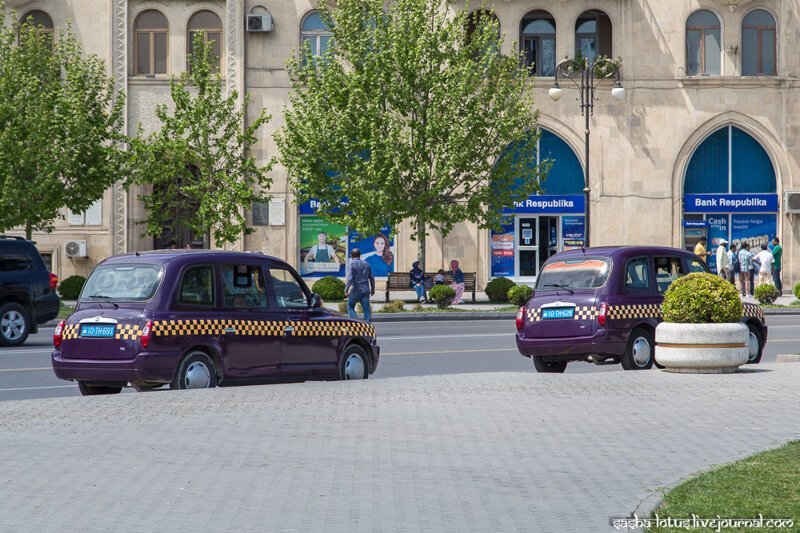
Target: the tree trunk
(28, 231)
(421, 242)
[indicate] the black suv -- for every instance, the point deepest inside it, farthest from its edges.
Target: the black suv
(27, 291)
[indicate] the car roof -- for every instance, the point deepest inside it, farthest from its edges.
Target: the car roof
(164, 256)
(622, 251)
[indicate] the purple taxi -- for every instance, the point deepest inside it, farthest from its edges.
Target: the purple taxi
(602, 305)
(198, 319)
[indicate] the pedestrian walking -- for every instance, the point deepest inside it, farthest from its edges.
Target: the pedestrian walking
(765, 261)
(417, 277)
(745, 266)
(360, 285)
(777, 254)
(733, 261)
(458, 281)
(723, 263)
(700, 249)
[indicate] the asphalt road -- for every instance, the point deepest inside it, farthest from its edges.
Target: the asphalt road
(408, 349)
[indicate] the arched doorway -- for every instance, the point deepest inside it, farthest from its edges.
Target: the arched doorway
(546, 223)
(729, 192)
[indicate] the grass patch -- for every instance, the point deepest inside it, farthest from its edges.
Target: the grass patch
(64, 311)
(795, 303)
(765, 484)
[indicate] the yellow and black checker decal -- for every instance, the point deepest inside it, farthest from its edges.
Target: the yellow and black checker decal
(753, 311)
(634, 311)
(126, 332)
(269, 328)
(70, 332)
(582, 312)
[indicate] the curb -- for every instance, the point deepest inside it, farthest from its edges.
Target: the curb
(788, 358)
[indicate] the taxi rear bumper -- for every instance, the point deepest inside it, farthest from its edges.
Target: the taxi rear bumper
(156, 367)
(602, 342)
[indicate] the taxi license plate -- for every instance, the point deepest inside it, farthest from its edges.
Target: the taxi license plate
(555, 313)
(100, 331)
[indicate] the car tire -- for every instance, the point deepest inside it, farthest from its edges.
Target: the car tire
(196, 371)
(354, 363)
(144, 386)
(755, 344)
(15, 324)
(97, 390)
(640, 351)
(552, 367)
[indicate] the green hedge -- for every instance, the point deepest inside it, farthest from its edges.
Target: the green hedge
(767, 293)
(497, 289)
(796, 291)
(442, 295)
(70, 288)
(329, 288)
(519, 295)
(701, 298)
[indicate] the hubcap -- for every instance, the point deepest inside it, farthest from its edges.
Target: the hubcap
(752, 343)
(354, 367)
(12, 325)
(641, 351)
(197, 376)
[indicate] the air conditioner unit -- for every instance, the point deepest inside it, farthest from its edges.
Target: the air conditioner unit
(75, 249)
(791, 203)
(261, 22)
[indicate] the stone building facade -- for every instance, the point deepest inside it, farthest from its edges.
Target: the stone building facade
(704, 142)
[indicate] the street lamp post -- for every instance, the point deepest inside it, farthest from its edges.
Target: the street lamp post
(581, 71)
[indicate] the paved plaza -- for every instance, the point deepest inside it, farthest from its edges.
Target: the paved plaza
(468, 452)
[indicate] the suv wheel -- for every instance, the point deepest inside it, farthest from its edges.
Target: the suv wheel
(640, 351)
(755, 344)
(554, 367)
(14, 325)
(95, 390)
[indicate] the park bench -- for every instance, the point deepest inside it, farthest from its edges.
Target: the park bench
(401, 281)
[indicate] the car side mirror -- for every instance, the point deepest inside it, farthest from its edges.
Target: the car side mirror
(316, 300)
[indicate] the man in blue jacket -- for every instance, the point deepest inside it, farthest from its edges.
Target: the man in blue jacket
(360, 285)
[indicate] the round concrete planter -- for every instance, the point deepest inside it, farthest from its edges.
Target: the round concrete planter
(701, 348)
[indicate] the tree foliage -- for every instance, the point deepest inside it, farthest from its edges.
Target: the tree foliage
(198, 165)
(407, 117)
(60, 127)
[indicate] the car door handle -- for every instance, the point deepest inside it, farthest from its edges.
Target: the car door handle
(230, 331)
(288, 329)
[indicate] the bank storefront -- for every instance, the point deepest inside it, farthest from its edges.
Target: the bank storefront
(544, 224)
(730, 192)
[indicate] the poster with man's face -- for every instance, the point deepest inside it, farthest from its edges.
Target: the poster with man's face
(323, 247)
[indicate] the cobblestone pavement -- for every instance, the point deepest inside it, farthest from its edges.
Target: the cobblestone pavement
(472, 452)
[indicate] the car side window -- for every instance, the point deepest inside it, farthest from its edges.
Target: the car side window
(197, 286)
(243, 286)
(696, 266)
(637, 277)
(289, 293)
(668, 269)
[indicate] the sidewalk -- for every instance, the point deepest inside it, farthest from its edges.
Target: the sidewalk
(471, 452)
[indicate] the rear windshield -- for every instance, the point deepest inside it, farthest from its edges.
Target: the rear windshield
(579, 273)
(128, 283)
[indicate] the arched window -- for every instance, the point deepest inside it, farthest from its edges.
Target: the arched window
(316, 33)
(537, 36)
(150, 31)
(207, 25)
(593, 34)
(477, 17)
(39, 19)
(703, 44)
(729, 161)
(758, 44)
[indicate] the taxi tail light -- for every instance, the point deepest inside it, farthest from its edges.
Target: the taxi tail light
(147, 333)
(602, 314)
(520, 318)
(53, 281)
(58, 334)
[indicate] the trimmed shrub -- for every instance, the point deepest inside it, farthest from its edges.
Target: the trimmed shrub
(767, 293)
(442, 295)
(796, 291)
(497, 289)
(701, 298)
(330, 289)
(519, 295)
(70, 288)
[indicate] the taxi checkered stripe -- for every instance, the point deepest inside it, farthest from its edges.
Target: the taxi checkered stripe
(70, 332)
(127, 332)
(582, 312)
(631, 311)
(753, 311)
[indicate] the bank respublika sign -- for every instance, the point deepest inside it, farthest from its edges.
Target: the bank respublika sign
(730, 203)
(549, 204)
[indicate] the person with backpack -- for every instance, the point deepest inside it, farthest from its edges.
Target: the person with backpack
(735, 266)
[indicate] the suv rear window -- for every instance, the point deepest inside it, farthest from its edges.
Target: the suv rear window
(129, 283)
(579, 273)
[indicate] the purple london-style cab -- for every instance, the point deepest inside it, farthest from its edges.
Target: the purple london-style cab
(199, 318)
(602, 305)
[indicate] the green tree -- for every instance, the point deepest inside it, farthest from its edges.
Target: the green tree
(198, 165)
(60, 127)
(407, 116)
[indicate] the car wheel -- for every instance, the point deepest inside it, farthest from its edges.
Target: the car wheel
(354, 363)
(143, 386)
(96, 390)
(640, 351)
(14, 325)
(755, 343)
(196, 371)
(554, 367)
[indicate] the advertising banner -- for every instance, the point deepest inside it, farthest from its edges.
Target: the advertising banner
(536, 204)
(755, 229)
(572, 232)
(730, 203)
(502, 251)
(717, 229)
(376, 249)
(323, 247)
